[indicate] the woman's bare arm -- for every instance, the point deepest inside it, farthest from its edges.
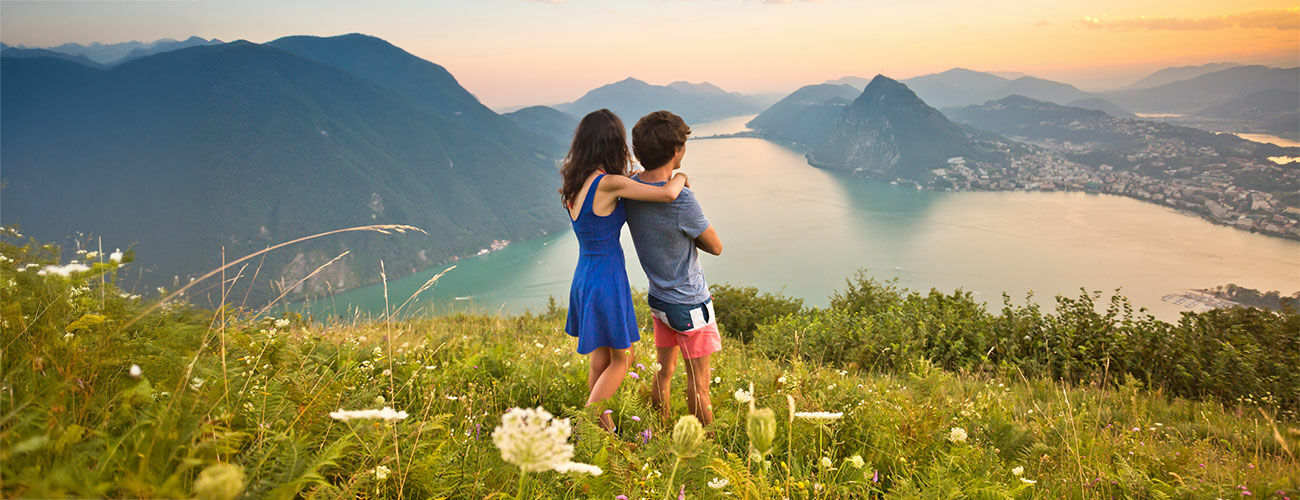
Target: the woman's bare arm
(624, 187)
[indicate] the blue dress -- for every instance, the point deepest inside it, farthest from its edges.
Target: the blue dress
(600, 299)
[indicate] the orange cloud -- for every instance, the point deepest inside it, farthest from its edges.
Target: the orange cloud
(1279, 19)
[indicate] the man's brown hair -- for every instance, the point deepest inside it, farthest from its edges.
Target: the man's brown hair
(656, 137)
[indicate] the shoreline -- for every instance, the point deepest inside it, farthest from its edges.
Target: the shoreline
(831, 168)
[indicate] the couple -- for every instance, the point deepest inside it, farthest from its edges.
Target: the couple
(667, 227)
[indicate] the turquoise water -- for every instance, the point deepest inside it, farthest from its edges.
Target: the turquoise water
(789, 227)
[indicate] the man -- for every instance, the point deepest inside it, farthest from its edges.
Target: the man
(667, 236)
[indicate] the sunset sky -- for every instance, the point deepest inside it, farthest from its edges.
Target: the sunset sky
(515, 52)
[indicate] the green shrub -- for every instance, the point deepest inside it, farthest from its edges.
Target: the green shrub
(1247, 355)
(741, 309)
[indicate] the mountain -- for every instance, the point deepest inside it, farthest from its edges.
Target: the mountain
(1043, 90)
(163, 45)
(956, 87)
(1174, 74)
(548, 122)
(806, 116)
(1010, 75)
(19, 53)
(99, 52)
(1274, 111)
(1095, 138)
(857, 82)
(631, 99)
(1195, 94)
(117, 53)
(963, 87)
(1100, 104)
(239, 146)
(889, 131)
(424, 83)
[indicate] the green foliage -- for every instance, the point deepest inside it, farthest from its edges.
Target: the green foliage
(228, 404)
(1245, 355)
(741, 309)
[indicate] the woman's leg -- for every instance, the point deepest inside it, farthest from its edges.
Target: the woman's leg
(698, 399)
(608, 381)
(599, 360)
(667, 359)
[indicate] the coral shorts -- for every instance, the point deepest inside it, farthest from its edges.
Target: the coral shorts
(697, 343)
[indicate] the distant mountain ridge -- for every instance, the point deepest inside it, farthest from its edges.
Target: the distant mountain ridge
(117, 53)
(1200, 92)
(548, 122)
(807, 115)
(1117, 142)
(631, 99)
(241, 145)
(963, 87)
(16, 52)
(1174, 74)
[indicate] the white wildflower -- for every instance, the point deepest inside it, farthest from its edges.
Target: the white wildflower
(819, 416)
(718, 483)
(568, 467)
(386, 413)
(379, 400)
(65, 271)
(68, 336)
(856, 461)
(781, 379)
(281, 323)
(957, 435)
(135, 371)
(116, 256)
(827, 463)
(91, 255)
(717, 380)
(657, 366)
(196, 383)
(1018, 471)
(533, 440)
(1028, 481)
(743, 397)
(381, 472)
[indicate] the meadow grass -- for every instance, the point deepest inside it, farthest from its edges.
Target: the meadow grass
(228, 404)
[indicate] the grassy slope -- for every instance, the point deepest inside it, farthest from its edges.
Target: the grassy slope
(76, 424)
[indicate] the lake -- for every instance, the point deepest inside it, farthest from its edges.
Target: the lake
(795, 229)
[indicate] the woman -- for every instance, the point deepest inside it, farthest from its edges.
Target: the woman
(600, 300)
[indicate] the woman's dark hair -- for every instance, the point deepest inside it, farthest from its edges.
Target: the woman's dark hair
(599, 143)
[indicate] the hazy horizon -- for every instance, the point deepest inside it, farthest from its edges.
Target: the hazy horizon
(513, 53)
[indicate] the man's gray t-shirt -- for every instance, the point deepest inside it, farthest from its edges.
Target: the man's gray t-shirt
(664, 235)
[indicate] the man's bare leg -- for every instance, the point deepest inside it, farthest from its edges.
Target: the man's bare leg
(659, 389)
(698, 399)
